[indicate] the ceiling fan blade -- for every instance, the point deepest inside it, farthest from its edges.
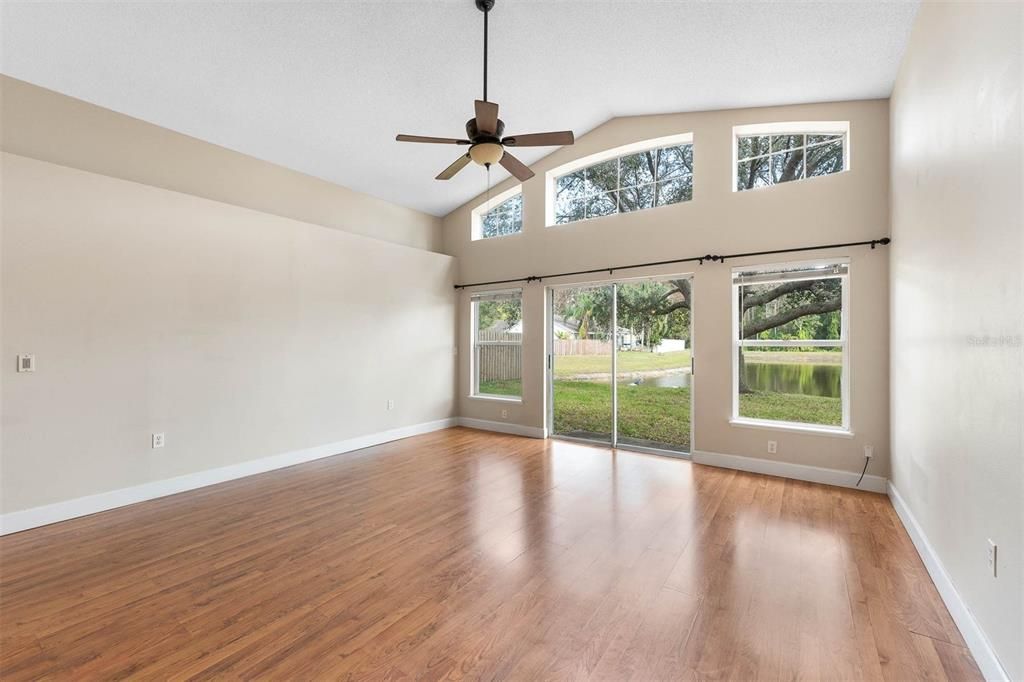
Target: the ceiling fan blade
(516, 167)
(486, 117)
(431, 140)
(562, 137)
(449, 172)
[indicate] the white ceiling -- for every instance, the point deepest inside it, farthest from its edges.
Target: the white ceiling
(324, 87)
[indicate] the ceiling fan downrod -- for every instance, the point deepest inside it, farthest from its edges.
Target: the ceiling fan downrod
(485, 6)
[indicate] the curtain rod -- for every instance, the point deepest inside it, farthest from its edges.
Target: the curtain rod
(693, 259)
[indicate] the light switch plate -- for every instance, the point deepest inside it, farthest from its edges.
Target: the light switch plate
(26, 363)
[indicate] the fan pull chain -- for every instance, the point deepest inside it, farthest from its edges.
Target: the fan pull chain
(488, 204)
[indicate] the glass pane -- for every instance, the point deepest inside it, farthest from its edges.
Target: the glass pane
(674, 191)
(602, 177)
(571, 185)
(582, 362)
(753, 145)
(636, 198)
(653, 364)
(499, 348)
(753, 173)
(638, 169)
(783, 142)
(506, 218)
(568, 210)
(825, 159)
(794, 311)
(602, 204)
(787, 166)
(675, 161)
(792, 384)
(815, 139)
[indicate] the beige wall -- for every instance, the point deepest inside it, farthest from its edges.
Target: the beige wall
(958, 303)
(850, 206)
(46, 125)
(238, 333)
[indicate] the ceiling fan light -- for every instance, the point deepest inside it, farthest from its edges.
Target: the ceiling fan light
(486, 153)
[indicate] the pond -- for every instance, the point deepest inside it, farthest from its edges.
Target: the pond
(801, 378)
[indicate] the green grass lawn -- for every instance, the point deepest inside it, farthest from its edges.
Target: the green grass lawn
(646, 412)
(629, 361)
(512, 387)
(790, 407)
(655, 413)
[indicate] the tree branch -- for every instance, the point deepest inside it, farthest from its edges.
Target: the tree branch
(814, 308)
(754, 300)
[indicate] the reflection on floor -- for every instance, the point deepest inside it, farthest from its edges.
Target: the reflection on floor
(469, 554)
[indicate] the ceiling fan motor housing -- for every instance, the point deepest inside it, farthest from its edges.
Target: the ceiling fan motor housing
(484, 5)
(474, 134)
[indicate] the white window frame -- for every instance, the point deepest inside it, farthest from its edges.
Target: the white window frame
(843, 343)
(477, 214)
(789, 128)
(475, 344)
(551, 177)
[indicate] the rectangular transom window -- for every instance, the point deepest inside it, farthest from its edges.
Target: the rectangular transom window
(497, 344)
(631, 182)
(790, 340)
(774, 154)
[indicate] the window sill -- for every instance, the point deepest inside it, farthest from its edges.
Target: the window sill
(497, 236)
(496, 398)
(795, 427)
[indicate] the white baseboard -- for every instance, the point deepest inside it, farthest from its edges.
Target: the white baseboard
(977, 641)
(83, 506)
(504, 427)
(801, 472)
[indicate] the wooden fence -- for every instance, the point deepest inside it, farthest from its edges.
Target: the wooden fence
(500, 356)
(582, 347)
(500, 363)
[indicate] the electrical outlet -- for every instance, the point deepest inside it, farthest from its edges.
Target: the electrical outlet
(773, 447)
(391, 404)
(158, 440)
(504, 414)
(869, 451)
(26, 363)
(993, 558)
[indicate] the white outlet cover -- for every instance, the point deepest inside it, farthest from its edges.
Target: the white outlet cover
(773, 447)
(158, 440)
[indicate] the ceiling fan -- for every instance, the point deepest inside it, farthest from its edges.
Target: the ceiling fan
(484, 132)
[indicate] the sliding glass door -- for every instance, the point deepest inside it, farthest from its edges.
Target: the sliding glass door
(653, 369)
(581, 362)
(620, 363)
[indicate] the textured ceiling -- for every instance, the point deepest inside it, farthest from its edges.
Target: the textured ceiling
(324, 87)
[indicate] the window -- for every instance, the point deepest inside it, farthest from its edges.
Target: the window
(498, 344)
(773, 154)
(629, 182)
(502, 215)
(790, 345)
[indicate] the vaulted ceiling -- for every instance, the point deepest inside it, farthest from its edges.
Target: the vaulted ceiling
(324, 87)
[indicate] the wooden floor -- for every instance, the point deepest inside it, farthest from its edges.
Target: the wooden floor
(464, 554)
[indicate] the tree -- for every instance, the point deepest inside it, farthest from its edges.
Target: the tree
(793, 310)
(489, 312)
(590, 308)
(781, 158)
(664, 176)
(643, 180)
